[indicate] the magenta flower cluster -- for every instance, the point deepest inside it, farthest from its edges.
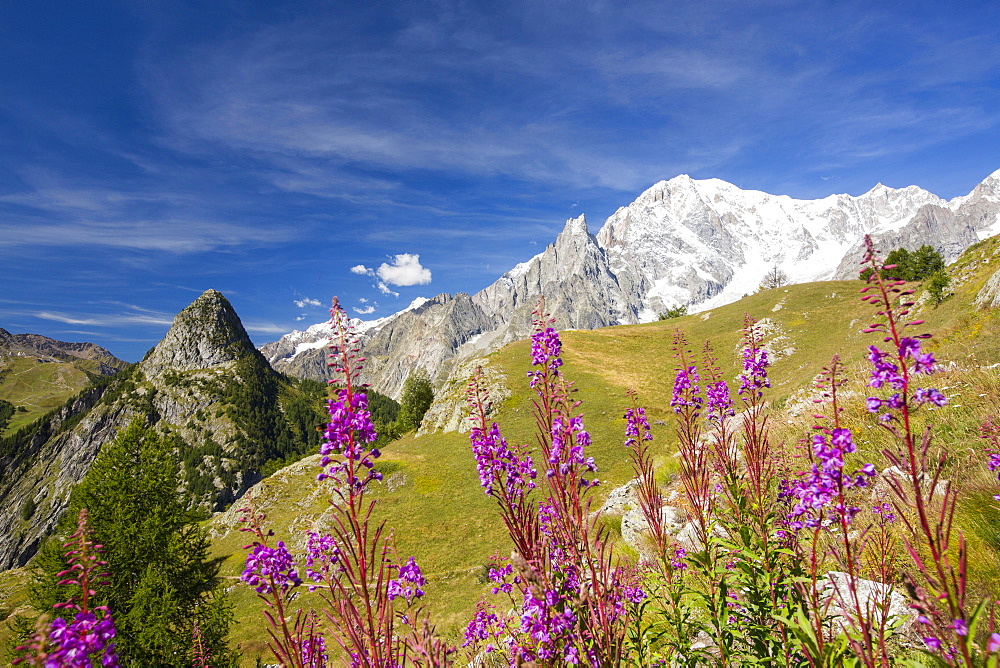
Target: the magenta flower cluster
(313, 652)
(76, 641)
(265, 565)
(636, 424)
(569, 438)
(719, 402)
(408, 582)
(886, 372)
(350, 427)
(322, 558)
(497, 462)
(994, 465)
(677, 561)
(549, 620)
(754, 379)
(823, 488)
(546, 348)
(686, 391)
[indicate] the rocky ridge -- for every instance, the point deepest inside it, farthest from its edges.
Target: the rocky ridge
(44, 348)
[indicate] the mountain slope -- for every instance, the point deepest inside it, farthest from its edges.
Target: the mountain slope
(38, 374)
(430, 496)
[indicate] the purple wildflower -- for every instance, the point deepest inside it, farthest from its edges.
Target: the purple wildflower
(686, 391)
(566, 453)
(265, 564)
(884, 373)
(483, 625)
(497, 463)
(993, 644)
(322, 558)
(826, 482)
(550, 622)
(873, 404)
(408, 574)
(85, 637)
(933, 642)
(929, 395)
(313, 651)
(636, 423)
(754, 379)
(885, 510)
(720, 404)
(677, 561)
(546, 348)
(961, 627)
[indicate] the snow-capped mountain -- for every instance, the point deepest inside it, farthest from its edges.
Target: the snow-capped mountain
(699, 243)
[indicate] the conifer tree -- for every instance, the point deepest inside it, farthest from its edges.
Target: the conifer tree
(418, 394)
(160, 579)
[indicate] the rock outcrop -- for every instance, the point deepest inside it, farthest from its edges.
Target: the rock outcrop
(204, 335)
(989, 295)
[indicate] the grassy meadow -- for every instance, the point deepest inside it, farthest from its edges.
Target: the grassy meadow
(435, 510)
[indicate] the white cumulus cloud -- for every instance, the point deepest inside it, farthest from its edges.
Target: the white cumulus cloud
(307, 301)
(361, 270)
(364, 311)
(404, 270)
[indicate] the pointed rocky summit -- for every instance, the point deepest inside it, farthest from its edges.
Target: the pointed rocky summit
(204, 335)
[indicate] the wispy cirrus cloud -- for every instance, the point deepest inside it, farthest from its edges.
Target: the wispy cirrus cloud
(139, 317)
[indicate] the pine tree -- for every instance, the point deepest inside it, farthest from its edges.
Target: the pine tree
(925, 263)
(160, 579)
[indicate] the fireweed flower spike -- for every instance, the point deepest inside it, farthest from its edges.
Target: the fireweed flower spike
(638, 437)
(925, 503)
(354, 568)
(572, 606)
(89, 636)
(268, 569)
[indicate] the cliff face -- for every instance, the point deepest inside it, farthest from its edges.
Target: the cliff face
(40, 474)
(191, 388)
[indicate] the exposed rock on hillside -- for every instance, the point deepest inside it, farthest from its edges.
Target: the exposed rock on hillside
(205, 334)
(989, 296)
(449, 412)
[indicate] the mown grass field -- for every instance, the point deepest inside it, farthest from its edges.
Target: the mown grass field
(432, 504)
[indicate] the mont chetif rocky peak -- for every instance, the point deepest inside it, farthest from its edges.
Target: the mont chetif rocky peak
(204, 386)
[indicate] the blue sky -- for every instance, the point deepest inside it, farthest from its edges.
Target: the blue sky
(151, 150)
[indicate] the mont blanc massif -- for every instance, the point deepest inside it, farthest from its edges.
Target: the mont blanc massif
(697, 243)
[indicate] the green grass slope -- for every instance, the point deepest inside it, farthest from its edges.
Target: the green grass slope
(431, 499)
(39, 386)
